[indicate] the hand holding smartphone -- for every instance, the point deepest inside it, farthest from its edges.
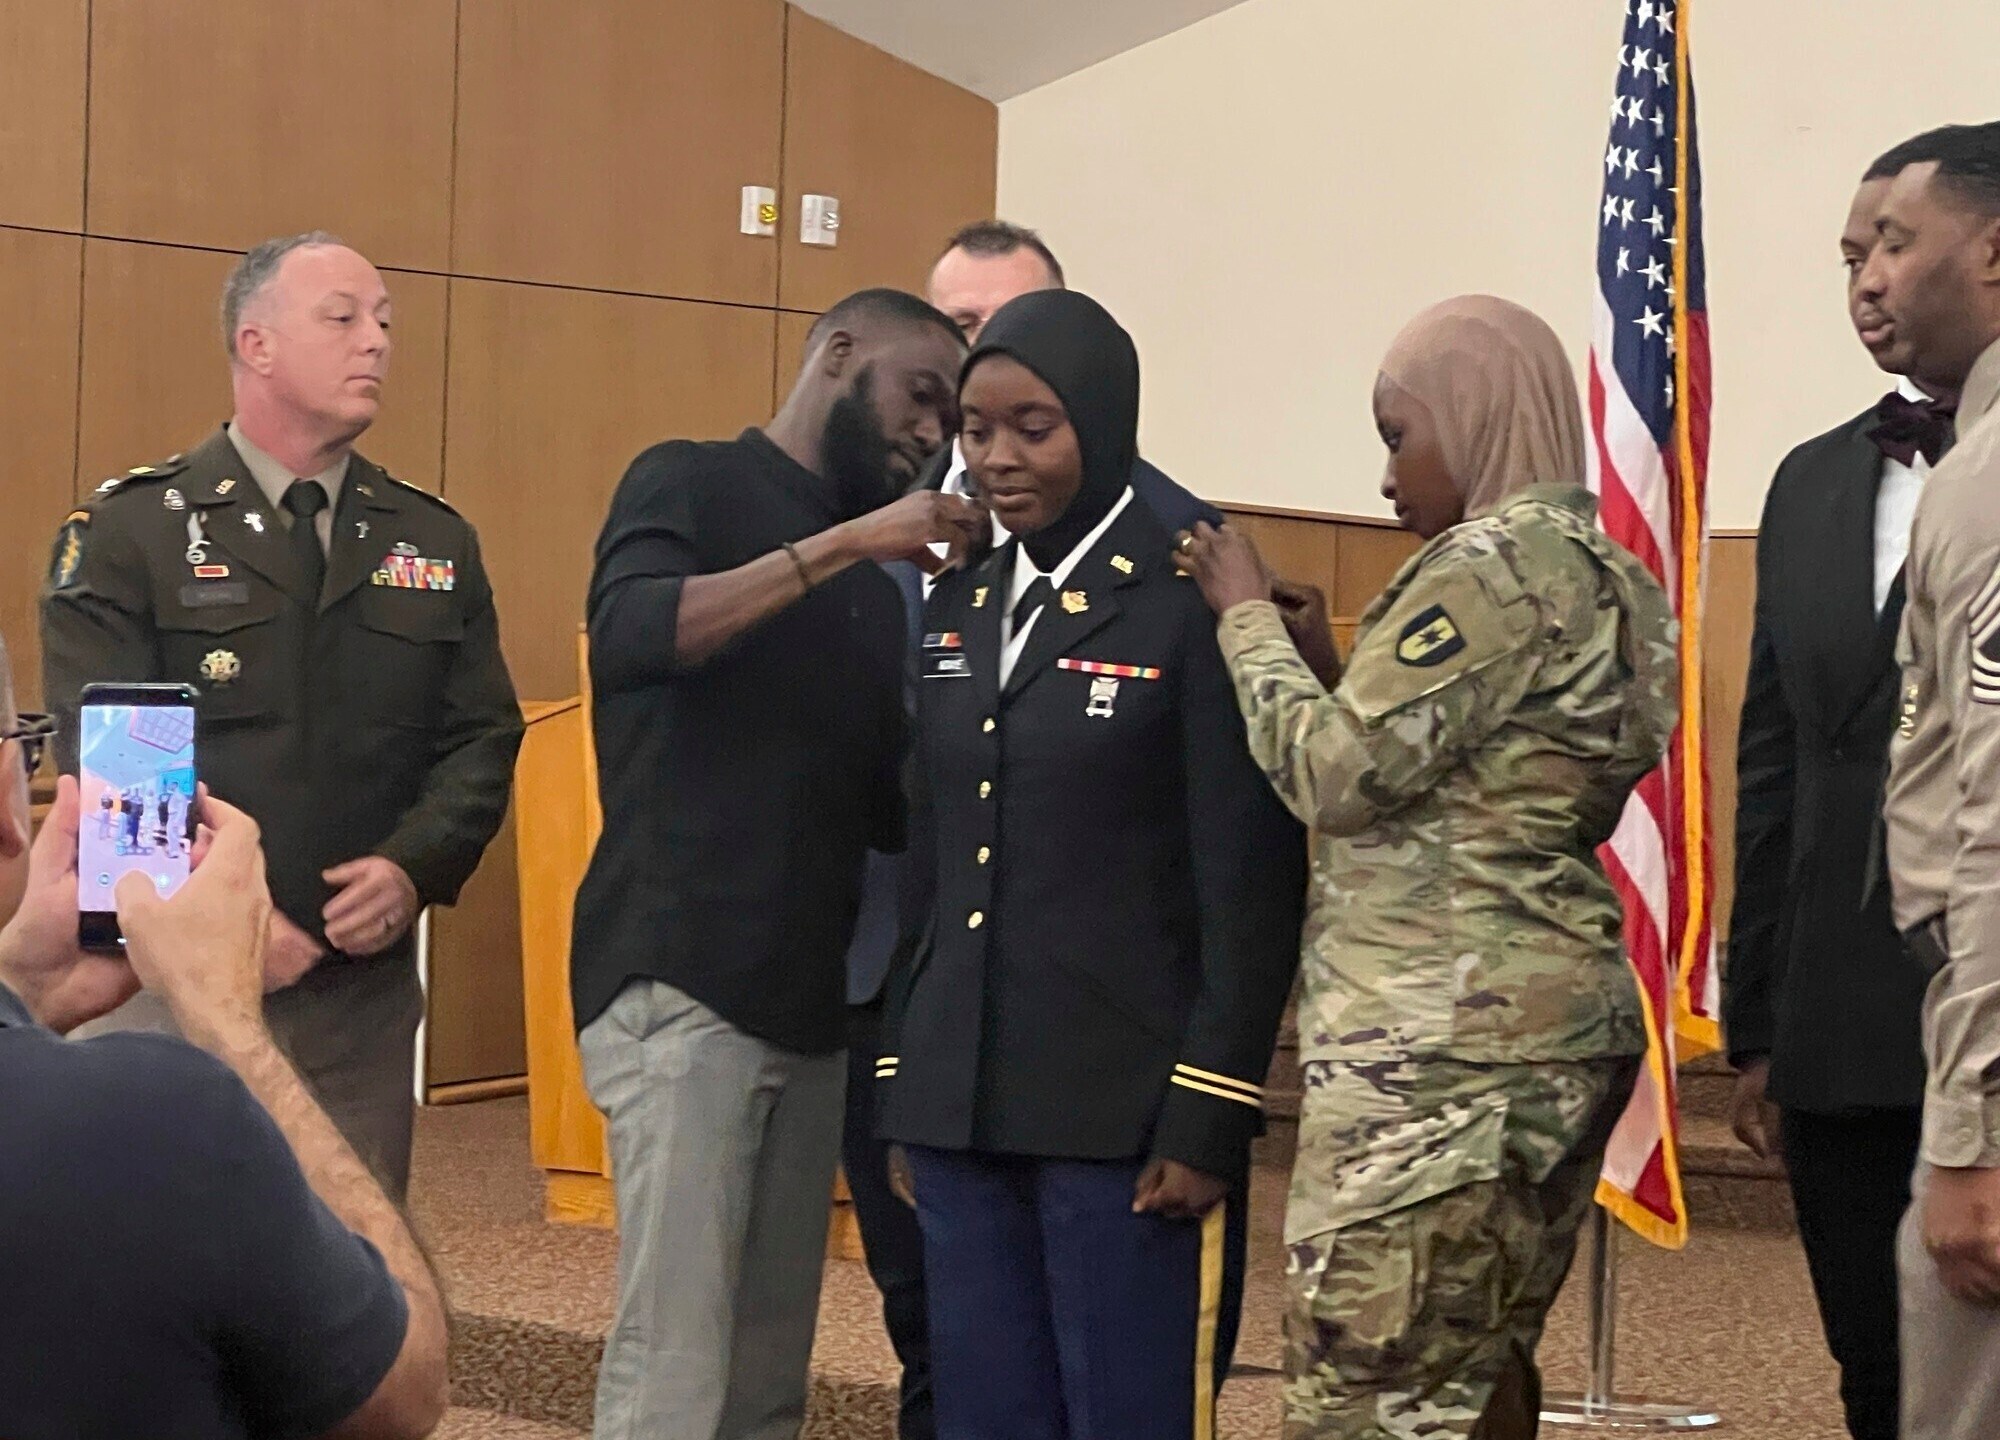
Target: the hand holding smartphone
(136, 774)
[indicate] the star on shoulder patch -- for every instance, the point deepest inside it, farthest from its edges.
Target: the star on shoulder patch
(1430, 639)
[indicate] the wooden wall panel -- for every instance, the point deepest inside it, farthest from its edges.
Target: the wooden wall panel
(1298, 549)
(605, 143)
(475, 976)
(1350, 560)
(1370, 556)
(44, 48)
(910, 157)
(553, 392)
(156, 376)
(793, 328)
(227, 122)
(38, 294)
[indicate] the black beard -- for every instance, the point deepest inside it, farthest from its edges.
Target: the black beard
(855, 452)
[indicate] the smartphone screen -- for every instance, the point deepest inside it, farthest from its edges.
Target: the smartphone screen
(136, 778)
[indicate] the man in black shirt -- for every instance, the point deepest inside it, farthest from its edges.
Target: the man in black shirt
(190, 1248)
(746, 677)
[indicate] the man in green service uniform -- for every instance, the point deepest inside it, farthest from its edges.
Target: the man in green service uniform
(340, 630)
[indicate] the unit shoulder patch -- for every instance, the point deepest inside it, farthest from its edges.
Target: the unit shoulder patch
(1432, 638)
(68, 556)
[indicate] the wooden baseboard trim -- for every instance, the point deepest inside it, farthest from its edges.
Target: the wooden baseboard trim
(1324, 517)
(575, 1199)
(467, 1092)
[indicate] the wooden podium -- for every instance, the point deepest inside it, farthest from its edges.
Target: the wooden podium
(555, 800)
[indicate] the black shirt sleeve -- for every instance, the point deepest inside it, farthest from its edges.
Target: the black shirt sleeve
(303, 1315)
(647, 548)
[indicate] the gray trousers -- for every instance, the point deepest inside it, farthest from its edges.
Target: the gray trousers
(723, 1150)
(1951, 1350)
(350, 1027)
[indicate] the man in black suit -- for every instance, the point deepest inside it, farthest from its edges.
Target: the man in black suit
(1820, 1004)
(985, 265)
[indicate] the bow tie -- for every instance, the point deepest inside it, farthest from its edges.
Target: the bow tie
(1905, 429)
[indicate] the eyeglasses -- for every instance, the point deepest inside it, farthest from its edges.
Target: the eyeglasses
(34, 732)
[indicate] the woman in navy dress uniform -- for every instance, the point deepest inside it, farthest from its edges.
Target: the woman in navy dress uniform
(1075, 1056)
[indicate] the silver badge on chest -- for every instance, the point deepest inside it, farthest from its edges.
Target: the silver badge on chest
(1103, 695)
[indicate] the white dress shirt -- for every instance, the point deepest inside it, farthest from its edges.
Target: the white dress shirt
(1895, 507)
(1013, 642)
(274, 479)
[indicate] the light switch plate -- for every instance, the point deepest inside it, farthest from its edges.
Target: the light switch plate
(760, 210)
(819, 220)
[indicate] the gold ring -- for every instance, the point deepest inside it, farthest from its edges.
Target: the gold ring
(1187, 543)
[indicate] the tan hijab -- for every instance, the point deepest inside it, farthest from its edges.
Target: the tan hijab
(1500, 388)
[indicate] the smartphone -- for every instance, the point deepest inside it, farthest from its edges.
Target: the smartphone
(136, 777)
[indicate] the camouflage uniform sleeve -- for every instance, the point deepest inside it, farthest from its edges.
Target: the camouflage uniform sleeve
(97, 618)
(1446, 664)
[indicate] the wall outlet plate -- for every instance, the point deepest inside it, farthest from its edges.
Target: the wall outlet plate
(819, 220)
(760, 210)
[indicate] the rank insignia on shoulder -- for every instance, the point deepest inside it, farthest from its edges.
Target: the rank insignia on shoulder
(944, 640)
(1075, 602)
(1121, 564)
(1430, 639)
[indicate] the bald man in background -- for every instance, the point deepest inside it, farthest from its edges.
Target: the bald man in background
(983, 267)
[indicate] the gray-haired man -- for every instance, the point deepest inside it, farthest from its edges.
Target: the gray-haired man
(340, 629)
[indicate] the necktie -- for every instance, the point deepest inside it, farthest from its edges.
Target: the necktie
(1905, 429)
(304, 500)
(1038, 594)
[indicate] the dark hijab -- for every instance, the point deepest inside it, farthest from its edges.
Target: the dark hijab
(1076, 348)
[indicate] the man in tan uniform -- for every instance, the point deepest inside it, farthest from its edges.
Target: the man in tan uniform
(1935, 273)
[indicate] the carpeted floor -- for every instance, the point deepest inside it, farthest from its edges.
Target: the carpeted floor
(1727, 1323)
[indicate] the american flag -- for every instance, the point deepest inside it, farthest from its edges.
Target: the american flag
(1649, 397)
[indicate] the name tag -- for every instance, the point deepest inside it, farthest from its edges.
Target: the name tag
(947, 667)
(207, 594)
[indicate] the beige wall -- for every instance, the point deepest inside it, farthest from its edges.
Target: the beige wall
(1266, 196)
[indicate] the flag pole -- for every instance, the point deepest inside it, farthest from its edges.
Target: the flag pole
(1598, 1409)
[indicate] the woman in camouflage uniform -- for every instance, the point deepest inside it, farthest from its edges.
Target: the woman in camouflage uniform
(1470, 1030)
